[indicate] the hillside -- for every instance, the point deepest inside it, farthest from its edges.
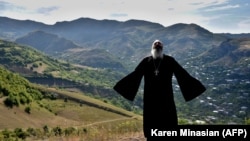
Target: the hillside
(12, 29)
(30, 107)
(41, 69)
(48, 43)
(225, 71)
(31, 62)
(231, 53)
(95, 58)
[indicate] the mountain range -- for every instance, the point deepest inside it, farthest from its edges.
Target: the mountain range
(220, 60)
(130, 40)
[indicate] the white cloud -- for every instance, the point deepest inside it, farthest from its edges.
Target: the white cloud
(222, 7)
(46, 10)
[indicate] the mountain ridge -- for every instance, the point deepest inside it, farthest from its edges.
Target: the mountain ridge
(47, 43)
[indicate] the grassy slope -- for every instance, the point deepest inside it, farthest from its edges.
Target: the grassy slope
(81, 98)
(80, 111)
(99, 124)
(18, 118)
(86, 115)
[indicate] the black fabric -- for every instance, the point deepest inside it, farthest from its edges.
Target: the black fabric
(129, 85)
(159, 109)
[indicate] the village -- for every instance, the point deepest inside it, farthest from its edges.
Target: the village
(226, 100)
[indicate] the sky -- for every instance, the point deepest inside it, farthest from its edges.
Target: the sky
(217, 16)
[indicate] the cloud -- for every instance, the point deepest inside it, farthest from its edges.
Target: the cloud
(47, 10)
(196, 3)
(218, 8)
(117, 15)
(5, 6)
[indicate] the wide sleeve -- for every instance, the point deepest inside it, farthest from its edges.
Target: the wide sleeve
(189, 86)
(129, 85)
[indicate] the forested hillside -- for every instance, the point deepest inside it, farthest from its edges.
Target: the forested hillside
(17, 90)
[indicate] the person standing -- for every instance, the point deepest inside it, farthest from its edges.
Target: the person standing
(159, 110)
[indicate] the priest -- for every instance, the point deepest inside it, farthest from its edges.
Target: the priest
(159, 110)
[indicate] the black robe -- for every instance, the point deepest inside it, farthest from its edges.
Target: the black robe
(159, 110)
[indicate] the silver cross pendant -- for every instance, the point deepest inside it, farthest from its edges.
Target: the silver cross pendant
(156, 72)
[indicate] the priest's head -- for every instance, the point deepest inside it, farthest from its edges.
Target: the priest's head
(157, 49)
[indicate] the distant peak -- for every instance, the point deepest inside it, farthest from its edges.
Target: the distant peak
(180, 26)
(86, 20)
(133, 22)
(183, 25)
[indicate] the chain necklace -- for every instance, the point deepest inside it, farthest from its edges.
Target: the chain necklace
(156, 71)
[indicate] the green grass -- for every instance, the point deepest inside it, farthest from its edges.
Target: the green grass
(81, 98)
(82, 114)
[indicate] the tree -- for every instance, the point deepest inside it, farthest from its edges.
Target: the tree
(11, 101)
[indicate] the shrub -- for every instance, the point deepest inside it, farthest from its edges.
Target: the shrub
(20, 133)
(69, 131)
(46, 129)
(35, 65)
(6, 133)
(57, 131)
(65, 99)
(11, 101)
(31, 131)
(27, 109)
